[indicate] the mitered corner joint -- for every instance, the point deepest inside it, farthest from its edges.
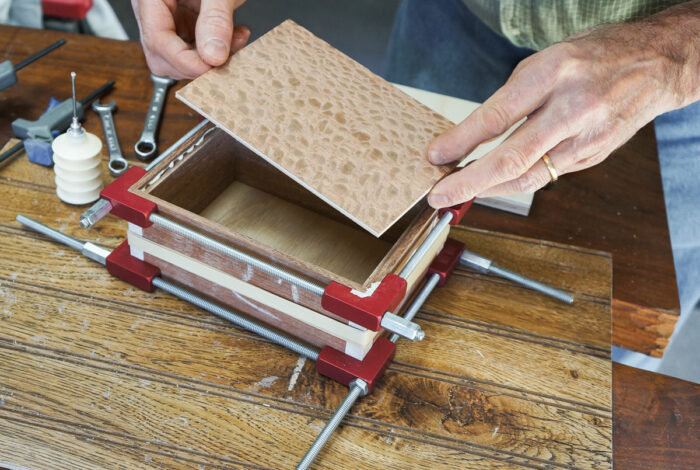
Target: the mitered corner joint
(446, 260)
(457, 211)
(365, 311)
(344, 369)
(122, 265)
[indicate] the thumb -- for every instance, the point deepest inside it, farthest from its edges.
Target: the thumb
(214, 30)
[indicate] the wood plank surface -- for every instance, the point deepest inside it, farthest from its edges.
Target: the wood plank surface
(657, 422)
(653, 425)
(615, 207)
(333, 126)
(147, 376)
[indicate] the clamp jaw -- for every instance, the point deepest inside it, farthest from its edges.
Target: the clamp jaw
(366, 311)
(116, 199)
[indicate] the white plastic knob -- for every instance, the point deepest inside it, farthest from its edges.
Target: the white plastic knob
(77, 167)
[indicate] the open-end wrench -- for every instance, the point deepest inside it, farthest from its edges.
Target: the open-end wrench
(146, 146)
(117, 163)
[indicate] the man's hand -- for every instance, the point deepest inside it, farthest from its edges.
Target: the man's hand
(583, 98)
(185, 38)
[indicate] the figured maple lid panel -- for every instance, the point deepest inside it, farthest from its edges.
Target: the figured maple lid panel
(344, 133)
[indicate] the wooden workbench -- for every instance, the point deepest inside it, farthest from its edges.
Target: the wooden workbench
(655, 418)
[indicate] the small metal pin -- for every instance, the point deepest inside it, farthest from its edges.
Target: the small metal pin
(75, 130)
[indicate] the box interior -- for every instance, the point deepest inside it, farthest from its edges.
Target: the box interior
(227, 183)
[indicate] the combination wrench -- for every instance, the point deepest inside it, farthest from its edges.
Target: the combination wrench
(117, 163)
(146, 146)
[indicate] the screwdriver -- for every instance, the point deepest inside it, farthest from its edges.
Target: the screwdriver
(8, 72)
(57, 118)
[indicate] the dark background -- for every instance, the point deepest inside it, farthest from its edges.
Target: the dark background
(359, 28)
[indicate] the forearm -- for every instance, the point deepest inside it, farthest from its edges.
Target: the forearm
(675, 35)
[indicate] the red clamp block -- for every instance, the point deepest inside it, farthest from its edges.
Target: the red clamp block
(447, 260)
(71, 9)
(458, 211)
(365, 311)
(126, 204)
(344, 369)
(122, 265)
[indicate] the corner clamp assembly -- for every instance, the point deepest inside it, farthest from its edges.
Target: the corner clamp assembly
(373, 312)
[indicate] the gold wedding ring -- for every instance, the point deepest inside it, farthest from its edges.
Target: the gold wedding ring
(550, 167)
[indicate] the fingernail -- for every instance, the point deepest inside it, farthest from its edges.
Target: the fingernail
(437, 201)
(239, 40)
(216, 50)
(436, 157)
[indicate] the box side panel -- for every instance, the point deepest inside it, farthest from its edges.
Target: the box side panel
(237, 269)
(242, 304)
(358, 341)
(199, 172)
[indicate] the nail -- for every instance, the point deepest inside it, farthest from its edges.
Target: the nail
(216, 50)
(437, 201)
(436, 157)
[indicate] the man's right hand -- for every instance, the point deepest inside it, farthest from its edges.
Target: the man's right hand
(185, 38)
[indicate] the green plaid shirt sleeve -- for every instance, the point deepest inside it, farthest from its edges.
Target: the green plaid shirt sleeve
(539, 23)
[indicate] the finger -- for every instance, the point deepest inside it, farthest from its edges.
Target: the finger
(135, 7)
(166, 53)
(241, 34)
(524, 92)
(510, 160)
(214, 30)
(184, 61)
(535, 178)
(161, 67)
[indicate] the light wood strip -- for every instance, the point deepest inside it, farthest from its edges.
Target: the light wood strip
(347, 333)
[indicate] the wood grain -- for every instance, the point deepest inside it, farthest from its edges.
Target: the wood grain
(287, 315)
(215, 184)
(345, 134)
(657, 421)
(616, 207)
(464, 404)
(653, 427)
(164, 351)
(349, 252)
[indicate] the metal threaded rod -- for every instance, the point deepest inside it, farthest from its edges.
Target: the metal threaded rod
(426, 245)
(418, 301)
(51, 233)
(179, 142)
(531, 284)
(179, 292)
(359, 387)
(356, 390)
(236, 319)
(235, 254)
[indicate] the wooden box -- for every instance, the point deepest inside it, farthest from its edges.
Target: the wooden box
(316, 166)
(221, 188)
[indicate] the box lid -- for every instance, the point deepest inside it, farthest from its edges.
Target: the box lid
(347, 135)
